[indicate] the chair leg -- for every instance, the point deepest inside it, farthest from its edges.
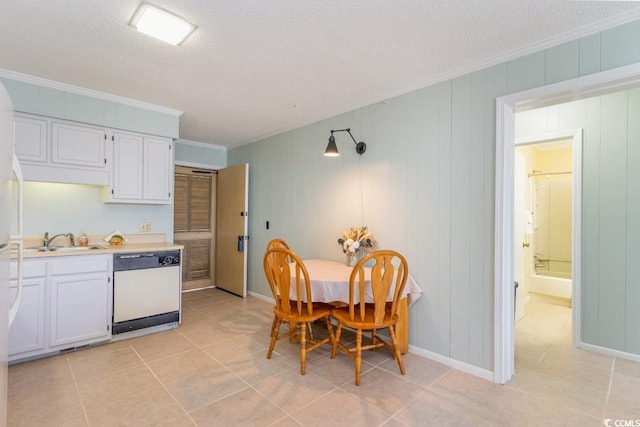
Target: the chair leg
(274, 335)
(396, 351)
(293, 328)
(310, 331)
(273, 324)
(330, 331)
(358, 354)
(336, 340)
(303, 347)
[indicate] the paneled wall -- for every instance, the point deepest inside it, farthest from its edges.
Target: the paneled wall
(427, 188)
(611, 210)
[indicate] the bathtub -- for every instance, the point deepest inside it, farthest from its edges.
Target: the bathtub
(559, 287)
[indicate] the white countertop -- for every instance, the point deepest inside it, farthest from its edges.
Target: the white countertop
(136, 243)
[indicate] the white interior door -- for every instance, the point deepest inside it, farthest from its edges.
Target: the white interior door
(232, 229)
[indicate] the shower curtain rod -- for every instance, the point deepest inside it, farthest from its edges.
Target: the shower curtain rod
(541, 173)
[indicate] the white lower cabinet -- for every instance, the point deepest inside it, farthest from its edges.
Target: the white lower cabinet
(26, 335)
(68, 306)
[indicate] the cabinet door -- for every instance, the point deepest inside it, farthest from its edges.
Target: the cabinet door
(127, 166)
(157, 169)
(30, 136)
(78, 309)
(77, 145)
(27, 331)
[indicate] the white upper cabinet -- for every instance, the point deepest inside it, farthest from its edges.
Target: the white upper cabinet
(77, 145)
(157, 170)
(127, 169)
(52, 150)
(141, 169)
(31, 139)
(134, 168)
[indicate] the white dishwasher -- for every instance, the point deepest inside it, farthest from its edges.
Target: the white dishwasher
(146, 290)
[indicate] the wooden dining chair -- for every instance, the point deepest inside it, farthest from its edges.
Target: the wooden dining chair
(281, 243)
(389, 272)
(277, 243)
(294, 303)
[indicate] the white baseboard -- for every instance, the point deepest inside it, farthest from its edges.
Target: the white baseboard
(456, 364)
(262, 297)
(609, 352)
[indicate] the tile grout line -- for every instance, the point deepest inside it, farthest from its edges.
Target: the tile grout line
(77, 388)
(163, 386)
(606, 400)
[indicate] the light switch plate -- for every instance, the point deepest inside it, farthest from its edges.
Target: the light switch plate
(145, 226)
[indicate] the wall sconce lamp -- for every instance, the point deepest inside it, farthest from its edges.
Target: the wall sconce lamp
(332, 148)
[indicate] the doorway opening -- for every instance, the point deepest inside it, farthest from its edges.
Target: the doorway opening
(194, 223)
(544, 214)
(581, 88)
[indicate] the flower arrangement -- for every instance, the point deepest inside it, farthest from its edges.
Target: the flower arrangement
(353, 240)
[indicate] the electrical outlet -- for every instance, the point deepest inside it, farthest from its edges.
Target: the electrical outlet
(145, 226)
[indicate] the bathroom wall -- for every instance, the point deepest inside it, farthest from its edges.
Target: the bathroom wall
(552, 211)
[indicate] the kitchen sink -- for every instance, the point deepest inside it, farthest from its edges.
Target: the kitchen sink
(77, 248)
(41, 248)
(62, 248)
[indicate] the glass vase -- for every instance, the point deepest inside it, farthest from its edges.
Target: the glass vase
(352, 259)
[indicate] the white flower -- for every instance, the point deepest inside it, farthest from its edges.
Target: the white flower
(356, 238)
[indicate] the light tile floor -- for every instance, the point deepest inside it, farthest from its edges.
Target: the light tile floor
(212, 371)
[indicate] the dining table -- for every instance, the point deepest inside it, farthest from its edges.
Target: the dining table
(330, 284)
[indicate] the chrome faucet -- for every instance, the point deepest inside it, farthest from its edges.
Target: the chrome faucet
(46, 240)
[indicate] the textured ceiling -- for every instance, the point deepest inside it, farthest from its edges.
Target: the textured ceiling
(254, 68)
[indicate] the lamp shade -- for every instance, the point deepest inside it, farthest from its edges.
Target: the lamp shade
(332, 148)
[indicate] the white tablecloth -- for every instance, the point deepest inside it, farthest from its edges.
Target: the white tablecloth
(330, 282)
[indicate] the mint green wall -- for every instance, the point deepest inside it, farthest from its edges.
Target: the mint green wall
(61, 208)
(30, 98)
(199, 154)
(610, 285)
(428, 181)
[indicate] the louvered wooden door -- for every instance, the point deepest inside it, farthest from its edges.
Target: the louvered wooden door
(194, 217)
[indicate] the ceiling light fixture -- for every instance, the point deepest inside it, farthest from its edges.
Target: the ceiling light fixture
(161, 24)
(332, 148)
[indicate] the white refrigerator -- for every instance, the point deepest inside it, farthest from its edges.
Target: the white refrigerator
(11, 189)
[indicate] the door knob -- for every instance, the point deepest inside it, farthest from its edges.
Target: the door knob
(525, 244)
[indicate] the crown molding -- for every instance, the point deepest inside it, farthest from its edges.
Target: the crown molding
(586, 30)
(51, 84)
(199, 165)
(200, 144)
